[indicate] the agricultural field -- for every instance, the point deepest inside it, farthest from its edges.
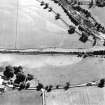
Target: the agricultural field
(77, 96)
(35, 27)
(25, 25)
(58, 68)
(53, 70)
(21, 98)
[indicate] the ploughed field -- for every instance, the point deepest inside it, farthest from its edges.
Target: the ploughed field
(53, 70)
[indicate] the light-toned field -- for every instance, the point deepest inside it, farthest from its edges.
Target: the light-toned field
(57, 69)
(77, 96)
(21, 98)
(35, 27)
(24, 24)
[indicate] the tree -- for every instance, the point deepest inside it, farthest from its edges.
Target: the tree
(49, 88)
(66, 87)
(27, 85)
(71, 29)
(101, 83)
(18, 69)
(57, 86)
(30, 77)
(8, 72)
(39, 86)
(22, 86)
(20, 77)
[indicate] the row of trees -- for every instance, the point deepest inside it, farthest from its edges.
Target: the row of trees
(100, 84)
